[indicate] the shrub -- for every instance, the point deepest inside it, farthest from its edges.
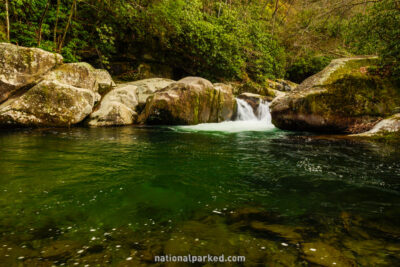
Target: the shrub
(306, 66)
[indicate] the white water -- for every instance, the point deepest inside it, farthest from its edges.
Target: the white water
(246, 120)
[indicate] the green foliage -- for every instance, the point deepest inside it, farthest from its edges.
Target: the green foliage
(213, 39)
(378, 31)
(247, 41)
(306, 66)
(208, 45)
(106, 44)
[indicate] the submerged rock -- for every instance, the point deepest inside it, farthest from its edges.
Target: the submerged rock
(118, 107)
(292, 234)
(323, 254)
(22, 66)
(191, 100)
(64, 97)
(60, 250)
(246, 215)
(342, 98)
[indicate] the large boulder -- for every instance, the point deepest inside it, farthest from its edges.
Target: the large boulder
(191, 100)
(104, 80)
(148, 87)
(122, 105)
(269, 88)
(21, 67)
(388, 125)
(118, 107)
(64, 97)
(342, 98)
(81, 75)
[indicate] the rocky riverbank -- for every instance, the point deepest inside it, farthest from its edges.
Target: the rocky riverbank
(343, 98)
(39, 90)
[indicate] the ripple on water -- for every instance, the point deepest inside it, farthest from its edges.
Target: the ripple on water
(101, 196)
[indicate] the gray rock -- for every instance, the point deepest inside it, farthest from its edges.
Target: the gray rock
(147, 88)
(118, 107)
(49, 103)
(21, 67)
(191, 100)
(64, 97)
(388, 125)
(104, 80)
(253, 100)
(337, 99)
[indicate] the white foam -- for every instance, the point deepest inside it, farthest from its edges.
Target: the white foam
(246, 121)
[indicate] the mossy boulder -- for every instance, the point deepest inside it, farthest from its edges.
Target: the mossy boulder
(269, 88)
(189, 101)
(21, 67)
(49, 103)
(81, 75)
(342, 98)
(118, 107)
(63, 97)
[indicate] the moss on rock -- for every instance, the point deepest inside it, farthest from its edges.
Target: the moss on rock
(22, 67)
(344, 97)
(191, 100)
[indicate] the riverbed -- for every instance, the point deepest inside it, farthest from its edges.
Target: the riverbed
(121, 196)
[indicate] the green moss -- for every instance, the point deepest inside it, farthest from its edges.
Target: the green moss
(387, 137)
(196, 104)
(352, 92)
(352, 67)
(28, 57)
(255, 88)
(211, 95)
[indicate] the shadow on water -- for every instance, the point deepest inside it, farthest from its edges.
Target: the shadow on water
(121, 196)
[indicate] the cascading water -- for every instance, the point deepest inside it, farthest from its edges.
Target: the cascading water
(246, 120)
(245, 111)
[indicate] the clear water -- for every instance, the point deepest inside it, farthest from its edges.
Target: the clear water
(120, 196)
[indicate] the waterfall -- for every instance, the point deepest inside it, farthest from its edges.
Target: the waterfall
(246, 113)
(247, 120)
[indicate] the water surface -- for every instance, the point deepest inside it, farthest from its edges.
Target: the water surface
(120, 196)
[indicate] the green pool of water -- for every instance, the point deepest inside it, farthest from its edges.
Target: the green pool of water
(120, 196)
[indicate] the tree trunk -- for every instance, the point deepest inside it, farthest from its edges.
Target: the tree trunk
(274, 15)
(67, 26)
(219, 9)
(55, 26)
(41, 22)
(7, 22)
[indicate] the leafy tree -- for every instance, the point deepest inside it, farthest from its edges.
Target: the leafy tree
(220, 40)
(306, 66)
(378, 31)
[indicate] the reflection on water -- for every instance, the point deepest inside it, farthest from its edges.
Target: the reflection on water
(123, 195)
